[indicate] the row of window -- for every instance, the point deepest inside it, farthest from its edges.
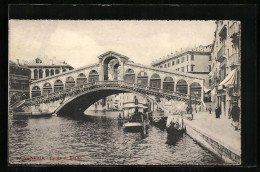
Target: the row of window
(182, 69)
(178, 61)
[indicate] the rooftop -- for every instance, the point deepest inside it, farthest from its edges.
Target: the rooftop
(200, 49)
(39, 61)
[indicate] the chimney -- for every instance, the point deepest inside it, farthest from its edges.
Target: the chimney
(18, 61)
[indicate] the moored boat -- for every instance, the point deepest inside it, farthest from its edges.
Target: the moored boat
(174, 125)
(136, 118)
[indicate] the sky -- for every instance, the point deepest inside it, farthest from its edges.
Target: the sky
(80, 42)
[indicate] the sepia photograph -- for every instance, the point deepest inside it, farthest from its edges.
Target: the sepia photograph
(124, 92)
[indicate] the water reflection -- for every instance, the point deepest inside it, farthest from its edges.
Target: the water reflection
(99, 139)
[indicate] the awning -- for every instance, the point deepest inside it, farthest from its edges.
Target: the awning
(213, 92)
(229, 81)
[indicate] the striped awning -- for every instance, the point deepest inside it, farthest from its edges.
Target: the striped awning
(229, 81)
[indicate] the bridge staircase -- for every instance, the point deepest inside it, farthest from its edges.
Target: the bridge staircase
(16, 105)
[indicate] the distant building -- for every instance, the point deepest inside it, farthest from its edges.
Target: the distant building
(117, 101)
(226, 60)
(18, 82)
(196, 61)
(44, 67)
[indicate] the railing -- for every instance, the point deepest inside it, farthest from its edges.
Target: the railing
(101, 84)
(221, 53)
(234, 28)
(234, 60)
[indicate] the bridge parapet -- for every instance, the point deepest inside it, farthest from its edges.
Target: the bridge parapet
(110, 84)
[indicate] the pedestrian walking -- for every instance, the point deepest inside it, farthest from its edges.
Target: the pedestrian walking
(217, 111)
(210, 109)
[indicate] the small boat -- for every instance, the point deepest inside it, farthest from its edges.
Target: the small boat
(136, 119)
(174, 125)
(160, 123)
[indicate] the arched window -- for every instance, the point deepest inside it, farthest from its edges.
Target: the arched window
(195, 89)
(155, 81)
(142, 78)
(35, 74)
(70, 82)
(168, 83)
(57, 71)
(93, 76)
(182, 86)
(47, 88)
(52, 72)
(40, 73)
(36, 91)
(81, 79)
(58, 85)
(47, 72)
(130, 75)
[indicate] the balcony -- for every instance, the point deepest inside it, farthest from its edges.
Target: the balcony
(234, 60)
(221, 55)
(234, 29)
(223, 32)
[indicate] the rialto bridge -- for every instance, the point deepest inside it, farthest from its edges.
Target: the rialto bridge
(77, 89)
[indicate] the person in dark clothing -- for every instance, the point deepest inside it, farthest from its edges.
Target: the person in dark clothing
(235, 112)
(191, 109)
(187, 109)
(217, 111)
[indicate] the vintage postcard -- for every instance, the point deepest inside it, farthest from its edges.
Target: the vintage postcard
(124, 92)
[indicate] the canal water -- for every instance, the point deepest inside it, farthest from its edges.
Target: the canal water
(97, 139)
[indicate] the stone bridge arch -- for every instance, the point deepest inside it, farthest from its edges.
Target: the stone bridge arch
(79, 103)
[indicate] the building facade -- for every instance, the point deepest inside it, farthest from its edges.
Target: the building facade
(117, 101)
(226, 60)
(44, 67)
(18, 82)
(196, 61)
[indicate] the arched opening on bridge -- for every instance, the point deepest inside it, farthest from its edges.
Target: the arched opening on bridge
(130, 75)
(57, 71)
(47, 72)
(110, 68)
(81, 79)
(155, 81)
(77, 104)
(142, 78)
(168, 83)
(35, 74)
(58, 85)
(114, 69)
(46, 89)
(93, 76)
(36, 91)
(52, 72)
(40, 73)
(182, 86)
(63, 70)
(195, 89)
(70, 82)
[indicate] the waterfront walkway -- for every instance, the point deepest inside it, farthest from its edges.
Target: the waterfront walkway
(219, 129)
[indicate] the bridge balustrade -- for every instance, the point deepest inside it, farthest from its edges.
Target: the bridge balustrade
(125, 84)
